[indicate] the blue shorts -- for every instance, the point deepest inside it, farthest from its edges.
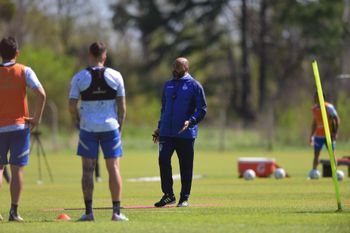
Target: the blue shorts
(17, 142)
(320, 141)
(110, 143)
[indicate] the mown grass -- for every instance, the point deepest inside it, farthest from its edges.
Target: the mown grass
(262, 205)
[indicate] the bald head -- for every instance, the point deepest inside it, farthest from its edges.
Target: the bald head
(180, 67)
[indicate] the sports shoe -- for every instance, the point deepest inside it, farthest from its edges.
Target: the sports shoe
(119, 217)
(98, 179)
(86, 217)
(182, 203)
(165, 200)
(13, 217)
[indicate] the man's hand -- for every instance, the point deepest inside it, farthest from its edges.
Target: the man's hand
(32, 122)
(186, 125)
(155, 136)
(311, 140)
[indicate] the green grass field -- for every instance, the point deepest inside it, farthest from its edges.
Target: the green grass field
(263, 205)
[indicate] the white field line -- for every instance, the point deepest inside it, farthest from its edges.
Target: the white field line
(157, 178)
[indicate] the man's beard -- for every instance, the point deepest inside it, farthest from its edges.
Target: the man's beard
(177, 74)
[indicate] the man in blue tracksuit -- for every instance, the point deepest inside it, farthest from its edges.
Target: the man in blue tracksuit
(183, 107)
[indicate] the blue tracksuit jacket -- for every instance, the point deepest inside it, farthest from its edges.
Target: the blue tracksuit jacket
(183, 99)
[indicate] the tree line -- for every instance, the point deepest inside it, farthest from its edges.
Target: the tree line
(252, 56)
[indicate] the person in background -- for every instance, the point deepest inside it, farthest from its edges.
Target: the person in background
(100, 119)
(183, 107)
(15, 121)
(317, 136)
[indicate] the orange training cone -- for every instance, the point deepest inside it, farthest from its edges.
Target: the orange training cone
(64, 217)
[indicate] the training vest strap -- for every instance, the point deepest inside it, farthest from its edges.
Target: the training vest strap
(98, 89)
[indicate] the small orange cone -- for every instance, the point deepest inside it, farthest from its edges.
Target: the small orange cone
(64, 217)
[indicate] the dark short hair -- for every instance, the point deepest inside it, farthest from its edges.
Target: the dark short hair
(97, 49)
(8, 48)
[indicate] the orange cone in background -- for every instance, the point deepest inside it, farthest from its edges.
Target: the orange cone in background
(64, 217)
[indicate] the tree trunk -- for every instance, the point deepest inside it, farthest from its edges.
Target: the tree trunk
(262, 56)
(15, 28)
(246, 84)
(234, 93)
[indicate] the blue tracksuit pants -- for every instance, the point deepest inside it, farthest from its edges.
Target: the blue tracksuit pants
(185, 152)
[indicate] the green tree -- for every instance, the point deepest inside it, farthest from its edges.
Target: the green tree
(54, 72)
(170, 27)
(7, 10)
(295, 33)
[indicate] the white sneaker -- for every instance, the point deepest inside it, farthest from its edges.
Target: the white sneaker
(87, 217)
(183, 204)
(15, 217)
(119, 217)
(98, 179)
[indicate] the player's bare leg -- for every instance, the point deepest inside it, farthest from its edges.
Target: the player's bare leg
(1, 172)
(87, 183)
(115, 186)
(16, 186)
(2, 167)
(316, 159)
(115, 179)
(87, 180)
